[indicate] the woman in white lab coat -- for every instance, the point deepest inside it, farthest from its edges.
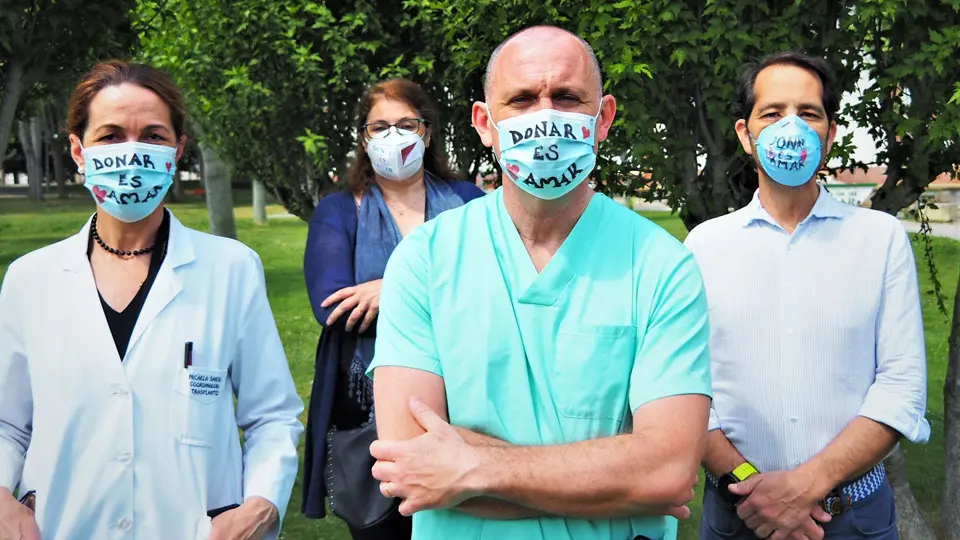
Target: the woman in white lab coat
(123, 346)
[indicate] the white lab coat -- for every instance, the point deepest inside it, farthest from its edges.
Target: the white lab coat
(126, 449)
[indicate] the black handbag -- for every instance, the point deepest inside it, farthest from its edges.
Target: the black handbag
(354, 493)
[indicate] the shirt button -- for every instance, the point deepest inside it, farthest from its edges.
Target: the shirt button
(789, 330)
(124, 457)
(793, 419)
(125, 524)
(122, 391)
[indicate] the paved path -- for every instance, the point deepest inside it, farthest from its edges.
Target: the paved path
(946, 230)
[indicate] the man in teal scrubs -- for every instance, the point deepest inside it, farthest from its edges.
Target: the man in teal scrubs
(541, 366)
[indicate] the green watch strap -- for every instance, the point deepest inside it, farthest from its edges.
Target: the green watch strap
(744, 471)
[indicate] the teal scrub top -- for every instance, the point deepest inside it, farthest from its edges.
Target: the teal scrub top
(618, 318)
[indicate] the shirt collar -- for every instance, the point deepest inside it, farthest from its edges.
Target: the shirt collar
(826, 207)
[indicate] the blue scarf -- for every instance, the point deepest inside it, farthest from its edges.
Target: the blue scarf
(377, 237)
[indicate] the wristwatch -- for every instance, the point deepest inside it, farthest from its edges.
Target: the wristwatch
(741, 473)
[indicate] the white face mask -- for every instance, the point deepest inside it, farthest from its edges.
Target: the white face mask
(396, 156)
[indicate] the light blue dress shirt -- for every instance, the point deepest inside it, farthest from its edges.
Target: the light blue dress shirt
(812, 329)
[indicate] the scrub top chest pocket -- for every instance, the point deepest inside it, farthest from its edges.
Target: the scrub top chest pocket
(196, 404)
(592, 367)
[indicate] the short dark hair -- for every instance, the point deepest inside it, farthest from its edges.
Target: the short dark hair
(746, 92)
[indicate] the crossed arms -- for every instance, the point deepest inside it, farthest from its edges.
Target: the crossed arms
(650, 471)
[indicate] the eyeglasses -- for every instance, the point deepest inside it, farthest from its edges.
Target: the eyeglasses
(405, 126)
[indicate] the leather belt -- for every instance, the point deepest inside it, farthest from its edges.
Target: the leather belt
(841, 499)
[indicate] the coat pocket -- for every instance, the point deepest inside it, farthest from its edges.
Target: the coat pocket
(195, 407)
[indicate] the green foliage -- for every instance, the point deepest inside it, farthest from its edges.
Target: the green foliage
(673, 67)
(274, 85)
(46, 46)
(910, 52)
(55, 40)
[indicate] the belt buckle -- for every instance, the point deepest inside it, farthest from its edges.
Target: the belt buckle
(836, 503)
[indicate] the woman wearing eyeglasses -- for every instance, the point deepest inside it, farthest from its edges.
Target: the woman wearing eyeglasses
(398, 180)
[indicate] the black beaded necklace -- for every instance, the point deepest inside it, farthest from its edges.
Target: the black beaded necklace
(117, 252)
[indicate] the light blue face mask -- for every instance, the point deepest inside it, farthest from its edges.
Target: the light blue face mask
(789, 151)
(129, 180)
(547, 153)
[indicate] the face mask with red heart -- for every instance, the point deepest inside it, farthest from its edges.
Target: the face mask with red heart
(547, 153)
(130, 179)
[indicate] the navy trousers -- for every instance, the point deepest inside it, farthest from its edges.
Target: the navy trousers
(873, 518)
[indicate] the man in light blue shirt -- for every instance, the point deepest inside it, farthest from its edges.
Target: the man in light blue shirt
(817, 346)
(563, 335)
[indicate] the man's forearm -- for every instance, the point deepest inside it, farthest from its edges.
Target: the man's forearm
(475, 438)
(602, 478)
(721, 456)
(488, 507)
(856, 450)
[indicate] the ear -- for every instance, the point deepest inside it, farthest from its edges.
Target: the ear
(76, 152)
(426, 137)
(484, 125)
(743, 133)
(608, 111)
(181, 145)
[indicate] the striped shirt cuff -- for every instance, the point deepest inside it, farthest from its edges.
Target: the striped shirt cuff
(896, 411)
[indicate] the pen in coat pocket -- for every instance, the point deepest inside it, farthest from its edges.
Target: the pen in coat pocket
(187, 354)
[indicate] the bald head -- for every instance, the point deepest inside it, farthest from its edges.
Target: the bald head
(529, 42)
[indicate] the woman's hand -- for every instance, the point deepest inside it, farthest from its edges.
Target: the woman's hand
(16, 520)
(363, 299)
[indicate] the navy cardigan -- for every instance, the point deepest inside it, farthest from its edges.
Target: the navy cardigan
(328, 267)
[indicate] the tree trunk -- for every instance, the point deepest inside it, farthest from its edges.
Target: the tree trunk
(950, 511)
(694, 211)
(30, 141)
(55, 149)
(36, 134)
(219, 193)
(259, 203)
(13, 88)
(176, 191)
(911, 522)
(901, 190)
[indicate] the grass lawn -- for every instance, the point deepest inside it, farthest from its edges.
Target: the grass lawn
(25, 226)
